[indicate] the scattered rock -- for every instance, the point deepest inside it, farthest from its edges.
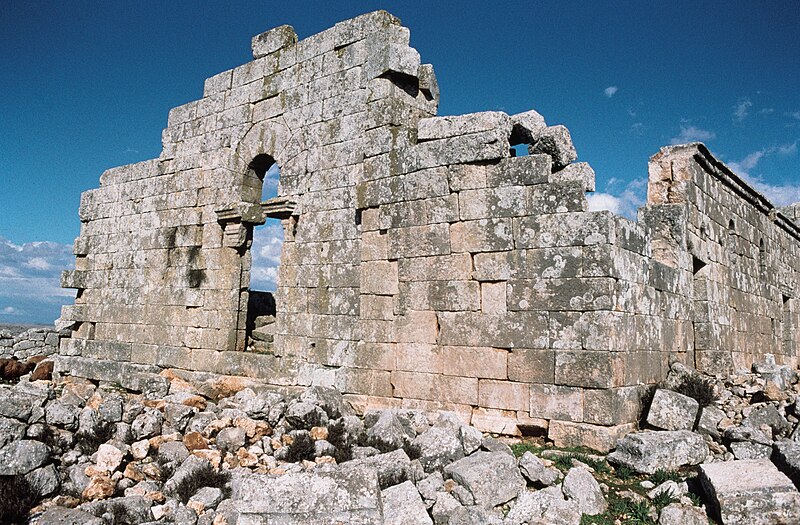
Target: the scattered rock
(672, 411)
(403, 505)
(649, 451)
(492, 478)
(22, 456)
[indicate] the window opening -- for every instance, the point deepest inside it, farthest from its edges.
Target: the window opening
(265, 253)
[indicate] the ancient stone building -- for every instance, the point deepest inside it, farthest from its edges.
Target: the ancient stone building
(424, 264)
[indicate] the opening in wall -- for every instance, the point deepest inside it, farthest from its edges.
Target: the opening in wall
(265, 253)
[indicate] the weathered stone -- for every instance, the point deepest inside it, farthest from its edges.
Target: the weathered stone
(22, 456)
(786, 457)
(708, 423)
(438, 447)
(747, 450)
(649, 451)
(402, 505)
(543, 507)
(491, 477)
(108, 458)
(536, 471)
(751, 492)
(231, 439)
(556, 142)
(389, 433)
(581, 487)
(65, 516)
(672, 411)
(678, 514)
(327, 497)
(392, 468)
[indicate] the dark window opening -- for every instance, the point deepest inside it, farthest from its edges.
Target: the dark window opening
(697, 265)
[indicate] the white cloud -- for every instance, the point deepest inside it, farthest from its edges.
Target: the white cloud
(777, 194)
(30, 288)
(38, 263)
(626, 202)
(767, 111)
(266, 254)
(794, 114)
(692, 134)
(610, 91)
(742, 109)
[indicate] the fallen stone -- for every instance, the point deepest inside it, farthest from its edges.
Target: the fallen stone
(678, 514)
(768, 415)
(438, 446)
(388, 433)
(328, 399)
(303, 415)
(403, 505)
(108, 458)
(492, 478)
(545, 507)
(352, 497)
(708, 424)
(536, 471)
(751, 492)
(580, 487)
(65, 516)
(672, 411)
(392, 468)
(556, 142)
(231, 439)
(21, 457)
(786, 457)
(747, 450)
(648, 451)
(99, 487)
(475, 515)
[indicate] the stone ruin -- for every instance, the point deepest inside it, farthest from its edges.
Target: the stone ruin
(424, 264)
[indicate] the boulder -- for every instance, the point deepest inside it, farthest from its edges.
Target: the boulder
(392, 468)
(581, 488)
(492, 478)
(303, 415)
(672, 411)
(23, 456)
(768, 415)
(649, 451)
(678, 514)
(389, 433)
(328, 399)
(786, 456)
(536, 471)
(438, 446)
(747, 450)
(556, 142)
(750, 492)
(10, 430)
(402, 505)
(708, 424)
(65, 516)
(351, 497)
(543, 506)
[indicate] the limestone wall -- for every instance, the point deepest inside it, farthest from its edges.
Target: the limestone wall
(424, 265)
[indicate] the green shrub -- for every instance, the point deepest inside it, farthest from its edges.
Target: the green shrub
(661, 475)
(698, 388)
(17, 497)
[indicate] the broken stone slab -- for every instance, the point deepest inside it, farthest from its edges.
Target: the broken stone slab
(750, 492)
(648, 451)
(536, 471)
(678, 514)
(389, 433)
(581, 488)
(23, 456)
(672, 411)
(65, 516)
(392, 468)
(403, 505)
(556, 142)
(452, 126)
(786, 456)
(438, 446)
(767, 415)
(543, 506)
(747, 450)
(526, 127)
(273, 40)
(492, 478)
(708, 424)
(352, 496)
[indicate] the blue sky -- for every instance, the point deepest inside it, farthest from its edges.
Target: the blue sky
(88, 85)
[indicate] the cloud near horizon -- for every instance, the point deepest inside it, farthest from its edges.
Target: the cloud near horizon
(777, 194)
(625, 202)
(692, 134)
(30, 291)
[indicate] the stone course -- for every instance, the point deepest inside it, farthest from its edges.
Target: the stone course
(424, 264)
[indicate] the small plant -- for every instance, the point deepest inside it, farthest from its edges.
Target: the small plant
(639, 512)
(662, 499)
(661, 475)
(696, 500)
(698, 388)
(563, 462)
(624, 472)
(520, 448)
(17, 497)
(205, 476)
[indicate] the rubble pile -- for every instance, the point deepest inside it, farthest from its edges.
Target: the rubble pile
(88, 453)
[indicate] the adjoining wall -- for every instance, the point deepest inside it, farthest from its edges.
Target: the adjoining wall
(423, 265)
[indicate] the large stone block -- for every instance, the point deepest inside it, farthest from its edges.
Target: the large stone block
(470, 361)
(649, 451)
(433, 387)
(510, 330)
(453, 126)
(557, 402)
(672, 411)
(504, 395)
(484, 235)
(750, 492)
(596, 437)
(419, 241)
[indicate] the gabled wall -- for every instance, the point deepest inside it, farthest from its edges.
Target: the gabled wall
(423, 265)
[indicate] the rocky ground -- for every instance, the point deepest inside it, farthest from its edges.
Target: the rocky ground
(77, 452)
